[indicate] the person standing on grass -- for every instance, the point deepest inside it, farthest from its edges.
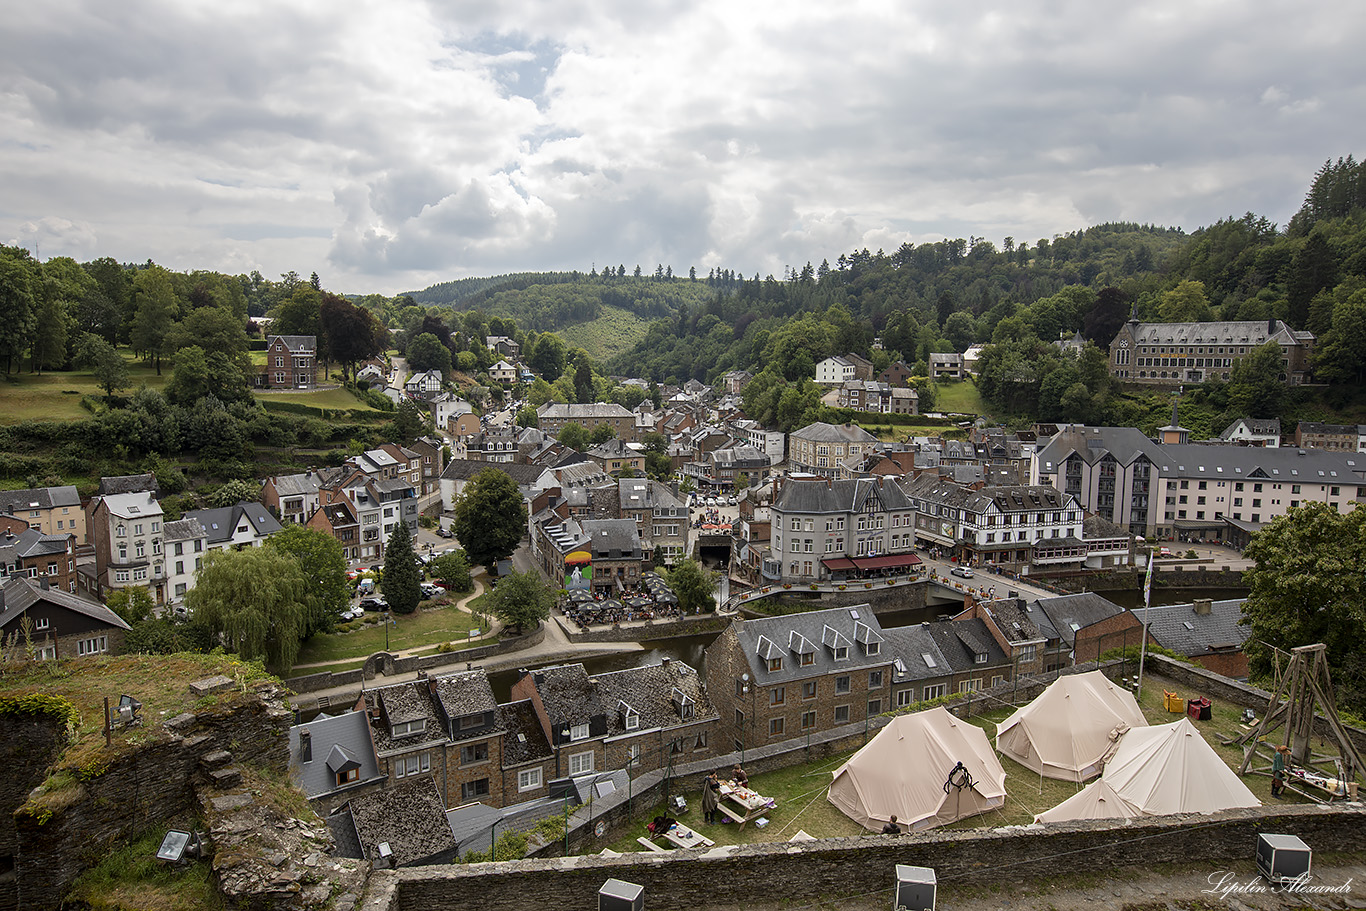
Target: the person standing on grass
(711, 797)
(1278, 762)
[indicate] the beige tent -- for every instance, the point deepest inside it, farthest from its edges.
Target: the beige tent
(1068, 729)
(905, 771)
(1158, 771)
(1095, 801)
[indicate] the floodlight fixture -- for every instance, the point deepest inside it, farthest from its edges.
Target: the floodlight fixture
(178, 847)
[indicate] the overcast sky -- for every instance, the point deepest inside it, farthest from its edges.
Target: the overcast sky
(390, 145)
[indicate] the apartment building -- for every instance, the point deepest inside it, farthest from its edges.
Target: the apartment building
(1172, 354)
(827, 529)
(819, 448)
(126, 531)
(50, 510)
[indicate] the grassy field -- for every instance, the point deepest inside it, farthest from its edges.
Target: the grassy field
(613, 332)
(322, 398)
(895, 433)
(424, 628)
(56, 396)
(959, 398)
(800, 791)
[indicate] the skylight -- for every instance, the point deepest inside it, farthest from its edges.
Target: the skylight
(929, 659)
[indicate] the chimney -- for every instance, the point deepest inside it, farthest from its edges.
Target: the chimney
(1203, 606)
(305, 746)
(664, 662)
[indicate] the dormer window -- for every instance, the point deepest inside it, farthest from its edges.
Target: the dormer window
(873, 648)
(578, 732)
(630, 718)
(980, 658)
(405, 728)
(841, 653)
(775, 664)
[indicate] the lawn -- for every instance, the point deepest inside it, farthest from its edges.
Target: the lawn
(56, 396)
(958, 398)
(800, 791)
(895, 433)
(321, 398)
(424, 628)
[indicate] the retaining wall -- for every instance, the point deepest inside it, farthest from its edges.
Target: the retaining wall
(650, 629)
(735, 876)
(307, 683)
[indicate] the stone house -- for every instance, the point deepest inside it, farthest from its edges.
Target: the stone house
(1080, 627)
(332, 759)
(919, 669)
(976, 661)
(50, 510)
(778, 678)
(552, 417)
(572, 716)
(1207, 632)
(826, 529)
(291, 363)
(59, 624)
(291, 498)
(338, 519)
(126, 531)
(1172, 354)
(35, 555)
(819, 448)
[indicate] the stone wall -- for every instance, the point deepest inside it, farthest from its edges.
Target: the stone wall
(28, 745)
(650, 629)
(1166, 574)
(880, 597)
(1207, 683)
(325, 680)
(731, 877)
(140, 790)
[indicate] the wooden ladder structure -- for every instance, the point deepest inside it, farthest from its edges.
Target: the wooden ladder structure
(1306, 687)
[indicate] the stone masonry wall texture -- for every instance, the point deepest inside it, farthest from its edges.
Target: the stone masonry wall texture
(140, 790)
(830, 868)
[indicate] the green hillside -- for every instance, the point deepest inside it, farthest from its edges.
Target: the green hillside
(613, 332)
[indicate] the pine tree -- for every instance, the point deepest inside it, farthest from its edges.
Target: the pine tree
(401, 580)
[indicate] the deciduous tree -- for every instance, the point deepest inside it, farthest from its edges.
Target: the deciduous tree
(257, 600)
(322, 560)
(157, 307)
(522, 600)
(694, 585)
(453, 571)
(490, 517)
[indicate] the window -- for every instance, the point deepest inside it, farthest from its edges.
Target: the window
(874, 707)
(777, 695)
(933, 691)
(842, 684)
(905, 697)
(41, 623)
(1027, 652)
(581, 763)
(633, 756)
(578, 732)
(807, 658)
(841, 714)
(809, 689)
(775, 726)
(404, 728)
(348, 776)
(739, 718)
(841, 653)
(471, 790)
(808, 720)
(474, 753)
(530, 779)
(412, 765)
(93, 645)
(121, 575)
(775, 664)
(969, 686)
(875, 680)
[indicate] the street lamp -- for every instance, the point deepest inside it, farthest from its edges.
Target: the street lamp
(744, 688)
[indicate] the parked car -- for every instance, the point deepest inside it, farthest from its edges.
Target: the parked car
(374, 604)
(1164, 552)
(445, 533)
(352, 613)
(431, 590)
(963, 572)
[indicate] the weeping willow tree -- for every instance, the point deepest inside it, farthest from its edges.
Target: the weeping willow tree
(257, 599)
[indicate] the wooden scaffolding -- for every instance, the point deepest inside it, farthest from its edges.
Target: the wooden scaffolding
(1307, 690)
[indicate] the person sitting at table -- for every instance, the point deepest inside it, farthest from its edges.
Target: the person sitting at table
(738, 775)
(662, 824)
(891, 828)
(711, 797)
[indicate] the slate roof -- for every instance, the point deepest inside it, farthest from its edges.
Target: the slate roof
(18, 594)
(16, 501)
(643, 493)
(1239, 463)
(802, 496)
(621, 535)
(1179, 628)
(650, 692)
(908, 646)
(821, 432)
(824, 630)
(1230, 332)
(409, 816)
(523, 738)
(221, 524)
(297, 343)
(1256, 426)
(582, 411)
(337, 737)
(31, 543)
(1082, 609)
(1094, 526)
(1014, 622)
(1124, 444)
(402, 702)
(140, 505)
(294, 485)
(463, 694)
(961, 640)
(568, 693)
(1023, 498)
(465, 469)
(128, 483)
(183, 530)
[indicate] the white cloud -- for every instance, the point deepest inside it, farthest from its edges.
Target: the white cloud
(387, 146)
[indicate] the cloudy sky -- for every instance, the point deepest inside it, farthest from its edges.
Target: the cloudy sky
(390, 145)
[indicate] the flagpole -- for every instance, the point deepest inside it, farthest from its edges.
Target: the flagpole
(1143, 645)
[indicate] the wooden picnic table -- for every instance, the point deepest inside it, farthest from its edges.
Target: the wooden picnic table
(683, 837)
(748, 804)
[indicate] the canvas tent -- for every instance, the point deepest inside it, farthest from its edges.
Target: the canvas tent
(906, 769)
(1068, 729)
(1161, 770)
(1095, 801)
